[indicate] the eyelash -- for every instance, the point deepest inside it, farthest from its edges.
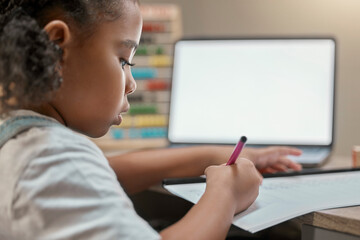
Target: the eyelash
(125, 62)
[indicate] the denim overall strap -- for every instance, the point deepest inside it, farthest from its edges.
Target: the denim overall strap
(16, 125)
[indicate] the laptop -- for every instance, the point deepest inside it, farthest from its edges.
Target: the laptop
(274, 91)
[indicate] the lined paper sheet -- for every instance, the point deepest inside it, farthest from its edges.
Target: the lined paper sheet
(284, 198)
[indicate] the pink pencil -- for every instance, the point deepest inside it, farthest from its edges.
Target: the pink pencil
(239, 146)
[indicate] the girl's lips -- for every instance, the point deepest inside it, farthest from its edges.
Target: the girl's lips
(119, 118)
(126, 108)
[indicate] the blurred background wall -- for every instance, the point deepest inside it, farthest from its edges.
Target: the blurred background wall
(306, 18)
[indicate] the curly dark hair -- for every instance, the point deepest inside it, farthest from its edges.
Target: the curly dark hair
(28, 59)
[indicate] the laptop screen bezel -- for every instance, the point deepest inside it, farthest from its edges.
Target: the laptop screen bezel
(330, 145)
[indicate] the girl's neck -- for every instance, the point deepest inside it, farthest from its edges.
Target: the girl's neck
(48, 110)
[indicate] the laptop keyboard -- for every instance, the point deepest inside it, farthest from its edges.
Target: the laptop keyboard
(311, 156)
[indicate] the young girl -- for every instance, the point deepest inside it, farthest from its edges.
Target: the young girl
(65, 68)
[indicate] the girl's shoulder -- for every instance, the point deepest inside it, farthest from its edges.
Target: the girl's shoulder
(53, 178)
(25, 129)
(46, 146)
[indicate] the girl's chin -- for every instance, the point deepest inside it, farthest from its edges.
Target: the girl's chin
(118, 120)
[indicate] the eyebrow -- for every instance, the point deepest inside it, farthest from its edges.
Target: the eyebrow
(130, 44)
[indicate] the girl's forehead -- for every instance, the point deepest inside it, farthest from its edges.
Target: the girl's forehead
(124, 31)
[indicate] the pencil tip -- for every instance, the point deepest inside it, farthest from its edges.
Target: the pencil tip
(243, 139)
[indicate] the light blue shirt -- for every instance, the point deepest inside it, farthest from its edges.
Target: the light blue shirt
(57, 184)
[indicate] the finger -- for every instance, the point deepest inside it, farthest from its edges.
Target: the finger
(243, 159)
(287, 151)
(267, 170)
(279, 167)
(261, 177)
(290, 164)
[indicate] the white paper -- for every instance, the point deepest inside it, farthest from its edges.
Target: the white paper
(283, 198)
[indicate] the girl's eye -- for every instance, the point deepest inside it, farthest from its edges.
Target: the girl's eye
(124, 63)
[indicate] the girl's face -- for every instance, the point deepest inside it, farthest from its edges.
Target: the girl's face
(97, 77)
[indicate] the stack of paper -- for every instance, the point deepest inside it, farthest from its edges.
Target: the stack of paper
(283, 198)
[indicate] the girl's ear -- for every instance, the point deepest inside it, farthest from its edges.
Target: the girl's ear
(59, 33)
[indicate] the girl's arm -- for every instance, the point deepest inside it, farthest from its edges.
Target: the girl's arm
(139, 170)
(229, 190)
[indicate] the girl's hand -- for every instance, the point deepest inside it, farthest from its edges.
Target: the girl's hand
(273, 159)
(266, 160)
(239, 182)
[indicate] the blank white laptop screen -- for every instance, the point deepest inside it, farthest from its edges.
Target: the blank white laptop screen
(274, 91)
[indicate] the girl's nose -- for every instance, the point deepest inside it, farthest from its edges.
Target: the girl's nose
(130, 84)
